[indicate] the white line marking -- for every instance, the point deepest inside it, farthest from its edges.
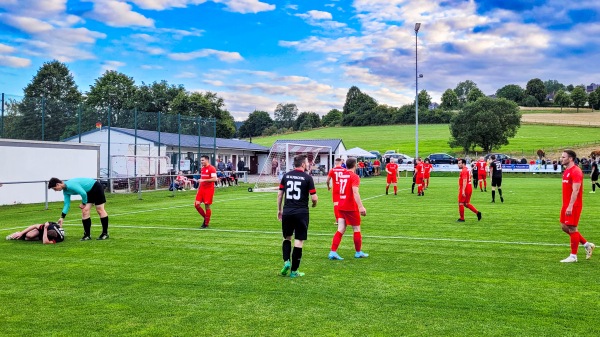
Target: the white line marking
(330, 235)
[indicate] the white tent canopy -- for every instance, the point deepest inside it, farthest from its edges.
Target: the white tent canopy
(358, 152)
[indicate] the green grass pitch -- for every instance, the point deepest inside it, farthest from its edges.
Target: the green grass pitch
(427, 275)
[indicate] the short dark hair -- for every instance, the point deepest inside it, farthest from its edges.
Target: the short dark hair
(53, 182)
(462, 161)
(205, 157)
(338, 160)
(571, 153)
(493, 157)
(299, 160)
(350, 163)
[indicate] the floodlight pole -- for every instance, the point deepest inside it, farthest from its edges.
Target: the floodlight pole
(417, 26)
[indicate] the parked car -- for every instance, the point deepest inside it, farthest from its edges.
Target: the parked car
(402, 158)
(376, 153)
(119, 180)
(389, 152)
(442, 158)
(499, 156)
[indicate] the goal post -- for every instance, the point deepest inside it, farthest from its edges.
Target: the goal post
(127, 170)
(281, 160)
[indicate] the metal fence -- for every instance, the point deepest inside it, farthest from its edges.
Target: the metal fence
(43, 119)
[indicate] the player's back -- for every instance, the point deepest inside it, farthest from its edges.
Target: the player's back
(497, 168)
(347, 180)
(296, 186)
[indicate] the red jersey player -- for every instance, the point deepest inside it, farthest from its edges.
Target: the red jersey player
(334, 175)
(465, 189)
(428, 167)
(482, 174)
(419, 175)
(572, 195)
(350, 209)
(392, 176)
(206, 190)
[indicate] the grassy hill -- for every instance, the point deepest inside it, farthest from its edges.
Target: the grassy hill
(434, 138)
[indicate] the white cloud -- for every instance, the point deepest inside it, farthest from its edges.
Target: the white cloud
(316, 15)
(214, 83)
(25, 24)
(238, 6)
(292, 7)
(186, 74)
(14, 62)
(246, 6)
(180, 33)
(165, 4)
(118, 14)
(4, 49)
(221, 55)
(151, 67)
(111, 65)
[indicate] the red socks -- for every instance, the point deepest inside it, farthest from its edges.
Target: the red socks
(200, 210)
(208, 213)
(395, 189)
(337, 238)
(357, 241)
(574, 242)
(472, 208)
(461, 211)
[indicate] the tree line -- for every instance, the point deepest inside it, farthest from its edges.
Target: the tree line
(53, 94)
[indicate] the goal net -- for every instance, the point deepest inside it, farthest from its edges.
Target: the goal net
(138, 172)
(281, 160)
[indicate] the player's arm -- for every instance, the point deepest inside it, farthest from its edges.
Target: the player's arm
(361, 208)
(279, 204)
(327, 182)
(313, 192)
(576, 187)
(387, 170)
(18, 235)
(67, 205)
(45, 235)
(464, 185)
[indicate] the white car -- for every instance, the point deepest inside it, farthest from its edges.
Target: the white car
(401, 158)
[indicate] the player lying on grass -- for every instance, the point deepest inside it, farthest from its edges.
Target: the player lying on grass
(49, 232)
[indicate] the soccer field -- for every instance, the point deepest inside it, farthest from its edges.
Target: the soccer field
(159, 274)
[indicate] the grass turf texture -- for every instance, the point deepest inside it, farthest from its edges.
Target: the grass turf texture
(434, 138)
(427, 275)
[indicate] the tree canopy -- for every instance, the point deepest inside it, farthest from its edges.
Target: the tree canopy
(487, 123)
(579, 97)
(256, 124)
(462, 90)
(449, 100)
(563, 99)
(285, 115)
(332, 118)
(512, 92)
(535, 87)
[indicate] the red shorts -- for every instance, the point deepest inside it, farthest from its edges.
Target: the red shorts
(466, 199)
(205, 196)
(481, 176)
(419, 180)
(570, 220)
(427, 176)
(352, 218)
(392, 178)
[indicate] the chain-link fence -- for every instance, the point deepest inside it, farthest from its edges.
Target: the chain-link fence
(183, 139)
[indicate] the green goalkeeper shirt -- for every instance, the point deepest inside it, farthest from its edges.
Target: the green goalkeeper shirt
(77, 186)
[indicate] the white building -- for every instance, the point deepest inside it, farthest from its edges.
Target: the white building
(164, 152)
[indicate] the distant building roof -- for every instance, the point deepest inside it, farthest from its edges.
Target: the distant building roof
(172, 139)
(333, 143)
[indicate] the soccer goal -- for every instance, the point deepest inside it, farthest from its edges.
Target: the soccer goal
(281, 160)
(137, 172)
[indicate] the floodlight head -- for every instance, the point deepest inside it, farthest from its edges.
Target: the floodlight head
(420, 75)
(417, 26)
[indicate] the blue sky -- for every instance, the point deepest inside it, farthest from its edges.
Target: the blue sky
(258, 53)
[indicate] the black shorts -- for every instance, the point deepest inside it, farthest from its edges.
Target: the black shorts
(296, 224)
(96, 195)
(594, 177)
(496, 181)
